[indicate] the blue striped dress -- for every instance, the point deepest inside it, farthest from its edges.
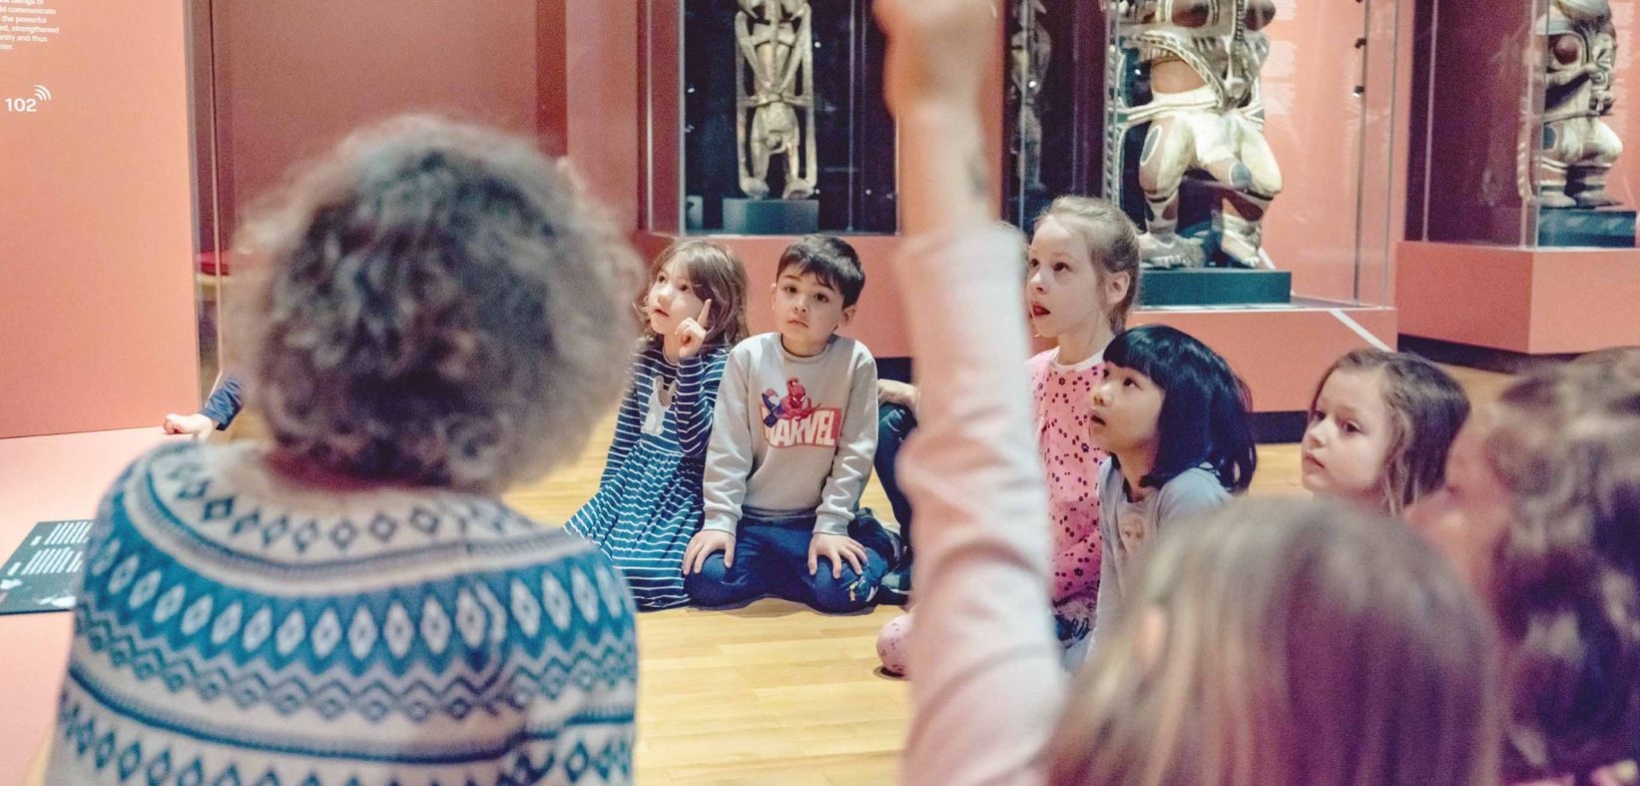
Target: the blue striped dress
(648, 504)
(237, 629)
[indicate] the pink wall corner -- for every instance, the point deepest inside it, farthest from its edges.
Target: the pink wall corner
(603, 102)
(1471, 294)
(1583, 300)
(298, 75)
(98, 330)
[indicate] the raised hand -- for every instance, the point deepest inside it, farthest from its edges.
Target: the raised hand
(691, 332)
(939, 49)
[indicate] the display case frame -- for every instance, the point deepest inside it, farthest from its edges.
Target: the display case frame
(1488, 267)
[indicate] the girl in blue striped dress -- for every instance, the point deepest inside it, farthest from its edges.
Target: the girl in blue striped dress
(648, 504)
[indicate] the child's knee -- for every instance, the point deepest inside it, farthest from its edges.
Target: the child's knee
(849, 592)
(709, 586)
(891, 644)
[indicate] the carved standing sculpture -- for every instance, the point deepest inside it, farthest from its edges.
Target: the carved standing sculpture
(1578, 147)
(1031, 50)
(1205, 115)
(774, 80)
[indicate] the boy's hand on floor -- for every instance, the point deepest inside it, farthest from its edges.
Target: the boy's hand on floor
(836, 548)
(704, 544)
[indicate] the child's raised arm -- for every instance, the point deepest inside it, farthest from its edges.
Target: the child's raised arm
(989, 681)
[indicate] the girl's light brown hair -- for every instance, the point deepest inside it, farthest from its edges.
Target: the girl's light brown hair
(1427, 407)
(716, 274)
(1566, 443)
(1112, 242)
(1288, 643)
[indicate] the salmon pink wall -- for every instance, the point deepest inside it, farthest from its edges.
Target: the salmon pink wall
(97, 331)
(294, 76)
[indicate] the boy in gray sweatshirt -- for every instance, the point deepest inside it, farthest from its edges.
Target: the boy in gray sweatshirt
(792, 443)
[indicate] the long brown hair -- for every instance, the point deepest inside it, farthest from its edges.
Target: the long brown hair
(1567, 581)
(1427, 408)
(1288, 643)
(717, 274)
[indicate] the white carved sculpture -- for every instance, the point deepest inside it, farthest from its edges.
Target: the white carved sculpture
(1205, 115)
(774, 81)
(1578, 147)
(1031, 50)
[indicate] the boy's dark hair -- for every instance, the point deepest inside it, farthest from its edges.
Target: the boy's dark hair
(1204, 417)
(831, 260)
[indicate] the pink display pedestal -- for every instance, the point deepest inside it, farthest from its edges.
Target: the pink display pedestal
(1532, 301)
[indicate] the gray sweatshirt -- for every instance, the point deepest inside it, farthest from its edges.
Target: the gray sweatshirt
(1126, 525)
(792, 436)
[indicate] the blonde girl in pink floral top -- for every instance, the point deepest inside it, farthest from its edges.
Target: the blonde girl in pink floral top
(1079, 286)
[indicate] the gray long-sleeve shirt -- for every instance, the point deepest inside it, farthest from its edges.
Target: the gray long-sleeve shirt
(1125, 525)
(792, 435)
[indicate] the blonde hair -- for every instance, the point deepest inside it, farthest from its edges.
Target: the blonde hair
(717, 274)
(1299, 643)
(1567, 581)
(436, 306)
(1427, 407)
(1112, 242)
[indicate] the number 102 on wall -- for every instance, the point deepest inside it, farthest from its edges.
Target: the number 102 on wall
(29, 104)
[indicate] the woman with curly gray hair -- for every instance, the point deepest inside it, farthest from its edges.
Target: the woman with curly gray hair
(353, 603)
(1541, 513)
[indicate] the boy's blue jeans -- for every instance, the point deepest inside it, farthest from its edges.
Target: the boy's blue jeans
(894, 424)
(772, 558)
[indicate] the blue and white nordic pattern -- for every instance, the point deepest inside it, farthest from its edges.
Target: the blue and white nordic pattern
(649, 503)
(236, 629)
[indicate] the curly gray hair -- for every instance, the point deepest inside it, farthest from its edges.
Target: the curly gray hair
(440, 305)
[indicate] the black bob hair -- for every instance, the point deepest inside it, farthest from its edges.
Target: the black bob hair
(1205, 416)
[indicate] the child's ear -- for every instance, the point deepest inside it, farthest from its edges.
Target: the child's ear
(1116, 288)
(848, 315)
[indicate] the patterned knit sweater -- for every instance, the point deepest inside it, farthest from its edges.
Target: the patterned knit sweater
(236, 628)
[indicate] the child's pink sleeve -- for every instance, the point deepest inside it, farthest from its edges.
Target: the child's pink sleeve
(988, 682)
(1076, 569)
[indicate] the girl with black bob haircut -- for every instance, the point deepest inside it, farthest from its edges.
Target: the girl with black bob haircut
(1174, 419)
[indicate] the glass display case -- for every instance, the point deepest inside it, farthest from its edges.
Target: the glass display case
(1250, 141)
(1055, 113)
(774, 122)
(1526, 108)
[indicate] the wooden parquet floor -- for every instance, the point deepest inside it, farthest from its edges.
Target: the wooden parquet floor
(775, 693)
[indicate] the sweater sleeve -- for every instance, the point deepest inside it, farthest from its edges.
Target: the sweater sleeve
(856, 448)
(729, 449)
(225, 402)
(629, 422)
(1084, 554)
(698, 379)
(989, 682)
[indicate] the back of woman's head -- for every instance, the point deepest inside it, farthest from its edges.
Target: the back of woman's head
(1566, 444)
(1288, 643)
(439, 309)
(1204, 417)
(1426, 407)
